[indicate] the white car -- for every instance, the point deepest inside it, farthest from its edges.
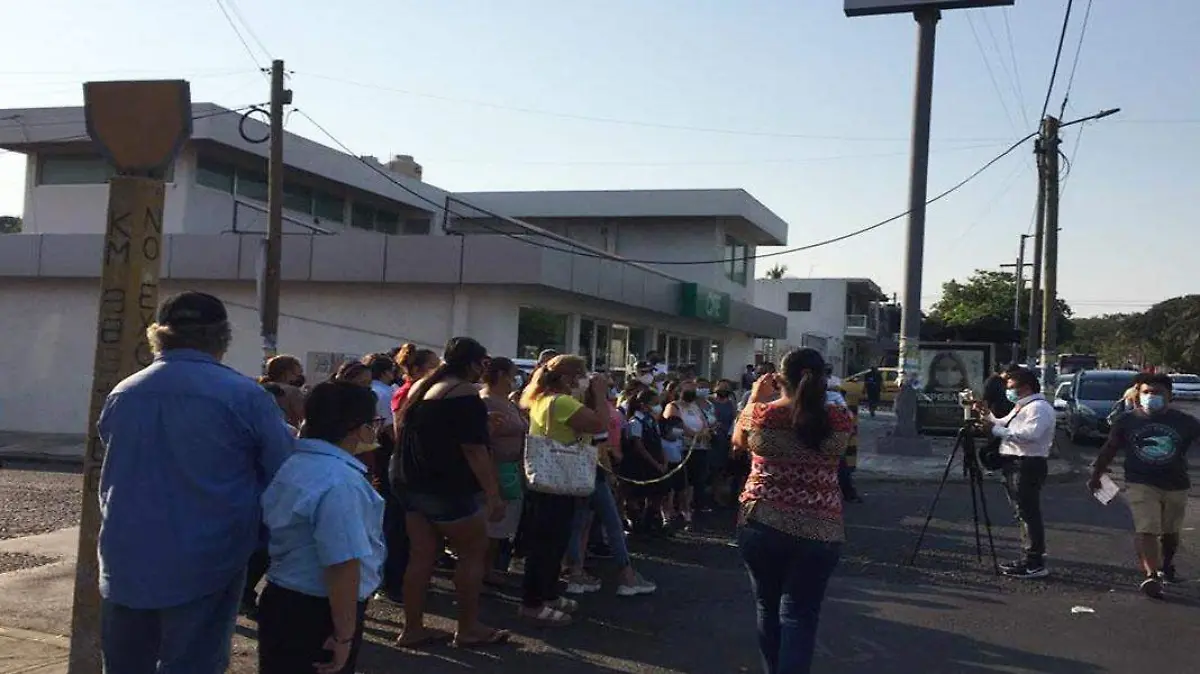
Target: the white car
(1060, 405)
(1185, 386)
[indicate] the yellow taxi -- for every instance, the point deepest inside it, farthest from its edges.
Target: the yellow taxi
(854, 387)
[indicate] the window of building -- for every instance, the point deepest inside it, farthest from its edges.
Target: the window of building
(362, 216)
(799, 302)
(297, 198)
(214, 174)
(387, 222)
(329, 207)
(252, 185)
(417, 226)
(736, 257)
(73, 170)
(538, 329)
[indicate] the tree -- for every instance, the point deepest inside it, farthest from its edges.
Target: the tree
(775, 273)
(986, 299)
(1172, 331)
(10, 224)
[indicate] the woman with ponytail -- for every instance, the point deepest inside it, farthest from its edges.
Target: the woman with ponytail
(790, 525)
(445, 477)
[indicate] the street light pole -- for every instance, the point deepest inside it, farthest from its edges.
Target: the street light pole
(910, 318)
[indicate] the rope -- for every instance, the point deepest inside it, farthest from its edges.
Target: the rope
(662, 478)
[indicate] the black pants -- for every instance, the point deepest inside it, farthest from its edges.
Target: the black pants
(1024, 478)
(546, 532)
(395, 535)
(292, 629)
(255, 570)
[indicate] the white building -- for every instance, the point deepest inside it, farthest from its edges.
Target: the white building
(839, 317)
(373, 257)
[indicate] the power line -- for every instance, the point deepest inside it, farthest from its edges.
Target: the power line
(1062, 36)
(631, 122)
(445, 206)
(987, 63)
(1087, 13)
(238, 32)
(1012, 53)
(249, 29)
(69, 139)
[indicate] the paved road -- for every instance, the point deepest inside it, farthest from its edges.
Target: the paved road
(946, 615)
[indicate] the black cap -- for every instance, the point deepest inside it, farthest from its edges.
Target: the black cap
(191, 308)
(643, 365)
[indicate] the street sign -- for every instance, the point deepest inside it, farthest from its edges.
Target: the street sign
(869, 7)
(706, 304)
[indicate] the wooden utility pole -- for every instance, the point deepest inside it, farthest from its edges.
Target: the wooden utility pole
(1039, 231)
(1049, 351)
(140, 127)
(269, 286)
(1019, 271)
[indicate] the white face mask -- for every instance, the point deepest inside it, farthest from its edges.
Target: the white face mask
(656, 410)
(646, 379)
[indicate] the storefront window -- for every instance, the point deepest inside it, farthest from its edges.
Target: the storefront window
(603, 335)
(538, 329)
(637, 344)
(587, 339)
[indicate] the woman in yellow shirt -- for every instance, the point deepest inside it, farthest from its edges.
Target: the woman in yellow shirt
(552, 401)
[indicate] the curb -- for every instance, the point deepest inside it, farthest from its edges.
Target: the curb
(36, 458)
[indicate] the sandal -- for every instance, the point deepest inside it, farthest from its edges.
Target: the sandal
(564, 604)
(426, 639)
(546, 616)
(494, 638)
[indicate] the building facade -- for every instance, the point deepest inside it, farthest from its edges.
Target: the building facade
(843, 318)
(374, 257)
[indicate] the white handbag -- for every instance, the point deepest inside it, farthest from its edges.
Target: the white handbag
(552, 467)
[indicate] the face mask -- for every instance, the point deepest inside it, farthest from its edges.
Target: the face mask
(702, 392)
(363, 447)
(1152, 402)
(646, 379)
(656, 410)
(581, 384)
(1011, 394)
(689, 396)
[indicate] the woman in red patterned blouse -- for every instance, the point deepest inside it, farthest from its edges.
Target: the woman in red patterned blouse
(790, 527)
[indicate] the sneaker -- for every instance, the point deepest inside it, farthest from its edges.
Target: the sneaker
(1006, 567)
(1168, 575)
(1152, 587)
(640, 586)
(1027, 571)
(581, 583)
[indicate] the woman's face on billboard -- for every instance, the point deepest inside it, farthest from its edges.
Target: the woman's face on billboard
(947, 374)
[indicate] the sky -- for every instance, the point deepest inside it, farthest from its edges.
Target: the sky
(806, 109)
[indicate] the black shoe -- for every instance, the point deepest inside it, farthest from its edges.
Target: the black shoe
(248, 609)
(1152, 587)
(1027, 571)
(1168, 575)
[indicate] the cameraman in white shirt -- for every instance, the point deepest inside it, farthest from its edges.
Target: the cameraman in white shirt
(1026, 435)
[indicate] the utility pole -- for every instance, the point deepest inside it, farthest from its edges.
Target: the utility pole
(1048, 356)
(268, 290)
(1035, 294)
(1020, 286)
(140, 127)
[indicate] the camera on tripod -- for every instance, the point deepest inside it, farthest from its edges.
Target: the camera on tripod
(972, 421)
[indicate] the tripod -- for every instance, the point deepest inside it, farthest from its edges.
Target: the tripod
(973, 473)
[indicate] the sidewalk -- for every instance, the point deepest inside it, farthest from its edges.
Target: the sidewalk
(42, 447)
(39, 601)
(873, 466)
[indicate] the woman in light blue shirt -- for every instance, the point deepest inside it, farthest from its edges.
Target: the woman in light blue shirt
(326, 548)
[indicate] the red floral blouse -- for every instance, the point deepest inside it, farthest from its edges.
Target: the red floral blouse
(793, 488)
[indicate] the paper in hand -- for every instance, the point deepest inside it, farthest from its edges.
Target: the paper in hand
(1108, 490)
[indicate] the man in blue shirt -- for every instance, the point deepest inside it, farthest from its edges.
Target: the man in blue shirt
(191, 446)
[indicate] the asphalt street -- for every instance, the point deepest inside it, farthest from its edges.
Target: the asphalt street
(948, 613)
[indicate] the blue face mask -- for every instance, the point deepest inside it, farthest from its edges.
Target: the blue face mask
(1012, 395)
(1152, 402)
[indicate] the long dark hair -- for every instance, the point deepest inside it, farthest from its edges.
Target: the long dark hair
(461, 353)
(804, 378)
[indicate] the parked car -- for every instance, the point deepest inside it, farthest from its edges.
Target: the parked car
(854, 388)
(1185, 386)
(1060, 404)
(1090, 397)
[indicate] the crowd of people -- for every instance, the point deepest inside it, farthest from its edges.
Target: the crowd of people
(358, 488)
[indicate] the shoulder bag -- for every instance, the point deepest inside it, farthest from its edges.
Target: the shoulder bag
(552, 467)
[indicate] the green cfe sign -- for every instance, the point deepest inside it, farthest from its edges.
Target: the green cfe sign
(706, 304)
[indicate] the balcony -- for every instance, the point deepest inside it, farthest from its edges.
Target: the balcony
(861, 325)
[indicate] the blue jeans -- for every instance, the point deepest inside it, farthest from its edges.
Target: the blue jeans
(604, 505)
(789, 576)
(193, 638)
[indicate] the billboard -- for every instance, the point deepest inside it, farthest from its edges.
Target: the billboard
(947, 369)
(868, 7)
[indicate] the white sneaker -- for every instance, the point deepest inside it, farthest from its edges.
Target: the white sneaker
(582, 584)
(640, 586)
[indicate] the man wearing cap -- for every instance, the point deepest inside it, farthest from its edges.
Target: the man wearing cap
(191, 444)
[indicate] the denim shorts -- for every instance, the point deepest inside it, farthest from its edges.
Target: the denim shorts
(443, 508)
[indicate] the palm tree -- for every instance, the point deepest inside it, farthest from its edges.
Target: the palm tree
(775, 273)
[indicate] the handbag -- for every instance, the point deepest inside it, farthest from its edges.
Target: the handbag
(552, 467)
(510, 476)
